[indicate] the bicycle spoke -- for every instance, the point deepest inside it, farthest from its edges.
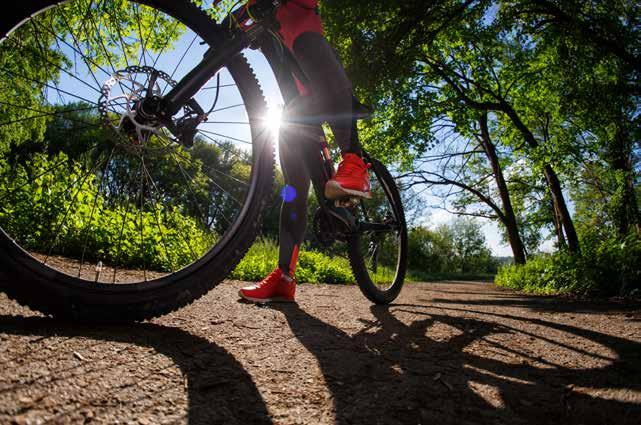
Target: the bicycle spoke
(205, 168)
(104, 48)
(157, 201)
(229, 122)
(82, 180)
(219, 87)
(120, 39)
(228, 107)
(91, 20)
(122, 229)
(142, 207)
(54, 167)
(185, 174)
(171, 76)
(143, 41)
(45, 114)
(214, 182)
(222, 135)
(6, 71)
(44, 58)
(173, 32)
(76, 49)
(93, 209)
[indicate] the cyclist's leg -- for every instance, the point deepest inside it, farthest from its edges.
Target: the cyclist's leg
(297, 146)
(330, 87)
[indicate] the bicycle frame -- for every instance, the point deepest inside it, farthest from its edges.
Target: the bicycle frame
(231, 42)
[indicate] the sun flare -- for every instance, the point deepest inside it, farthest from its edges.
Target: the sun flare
(273, 119)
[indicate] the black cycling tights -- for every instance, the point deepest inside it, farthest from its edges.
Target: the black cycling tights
(330, 100)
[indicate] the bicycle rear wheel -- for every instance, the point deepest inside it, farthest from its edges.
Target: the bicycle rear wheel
(105, 214)
(378, 250)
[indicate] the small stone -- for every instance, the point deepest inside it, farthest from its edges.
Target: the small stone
(25, 400)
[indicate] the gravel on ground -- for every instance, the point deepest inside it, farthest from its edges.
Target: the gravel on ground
(443, 353)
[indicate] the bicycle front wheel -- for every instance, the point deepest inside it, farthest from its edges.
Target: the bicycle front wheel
(378, 249)
(106, 213)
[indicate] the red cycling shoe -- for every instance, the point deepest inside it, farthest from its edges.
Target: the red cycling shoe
(351, 179)
(276, 287)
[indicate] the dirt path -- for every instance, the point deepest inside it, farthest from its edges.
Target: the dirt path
(447, 353)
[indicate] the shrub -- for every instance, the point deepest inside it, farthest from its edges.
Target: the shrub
(606, 266)
(61, 212)
(318, 267)
(313, 266)
(260, 260)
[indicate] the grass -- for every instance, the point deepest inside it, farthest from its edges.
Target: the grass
(317, 267)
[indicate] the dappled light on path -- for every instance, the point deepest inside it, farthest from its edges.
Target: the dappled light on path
(454, 353)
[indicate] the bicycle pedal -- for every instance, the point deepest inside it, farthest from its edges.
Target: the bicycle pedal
(350, 202)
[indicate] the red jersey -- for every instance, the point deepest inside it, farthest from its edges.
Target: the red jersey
(297, 17)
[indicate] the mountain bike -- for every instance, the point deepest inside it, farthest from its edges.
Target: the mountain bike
(137, 162)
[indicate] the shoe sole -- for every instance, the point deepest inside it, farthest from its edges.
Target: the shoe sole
(266, 300)
(335, 191)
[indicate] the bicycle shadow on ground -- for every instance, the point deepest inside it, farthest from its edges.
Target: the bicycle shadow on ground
(219, 390)
(433, 370)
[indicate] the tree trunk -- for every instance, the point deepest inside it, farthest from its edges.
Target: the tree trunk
(510, 219)
(551, 178)
(564, 214)
(626, 209)
(558, 227)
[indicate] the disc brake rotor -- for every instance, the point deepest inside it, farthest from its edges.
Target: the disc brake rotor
(120, 110)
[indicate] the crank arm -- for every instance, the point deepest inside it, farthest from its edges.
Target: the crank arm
(376, 227)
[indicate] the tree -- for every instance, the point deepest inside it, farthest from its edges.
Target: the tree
(462, 70)
(469, 246)
(456, 247)
(430, 251)
(598, 67)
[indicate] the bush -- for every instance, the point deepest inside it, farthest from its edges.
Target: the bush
(605, 267)
(313, 266)
(260, 260)
(318, 267)
(61, 212)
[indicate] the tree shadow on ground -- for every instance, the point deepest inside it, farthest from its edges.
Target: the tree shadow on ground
(433, 371)
(548, 303)
(219, 389)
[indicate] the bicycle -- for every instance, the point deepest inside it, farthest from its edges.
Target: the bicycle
(97, 134)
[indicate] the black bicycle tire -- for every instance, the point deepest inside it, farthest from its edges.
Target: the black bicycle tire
(356, 259)
(27, 281)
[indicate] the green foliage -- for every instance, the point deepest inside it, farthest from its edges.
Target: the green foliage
(318, 267)
(456, 248)
(61, 212)
(259, 261)
(607, 266)
(430, 251)
(558, 79)
(313, 266)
